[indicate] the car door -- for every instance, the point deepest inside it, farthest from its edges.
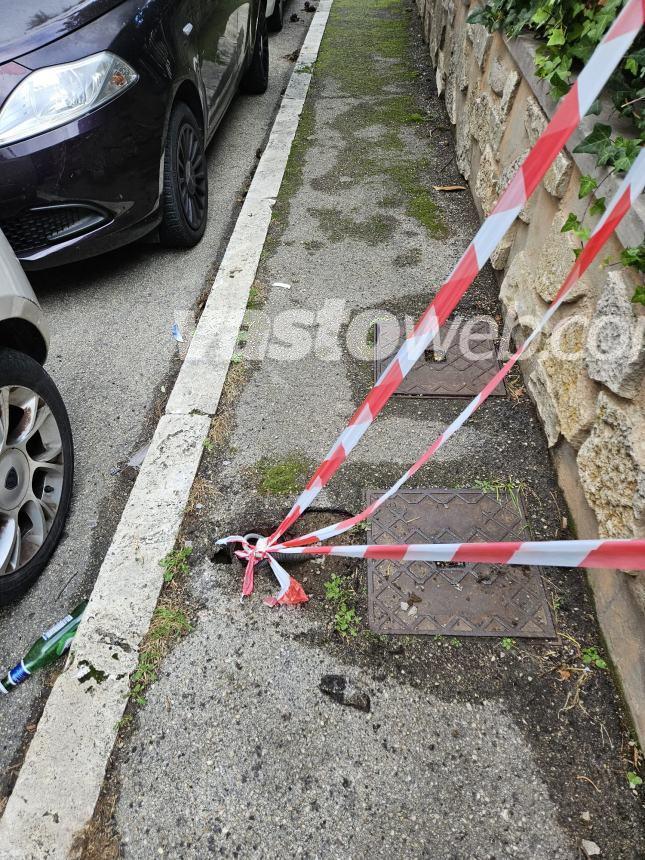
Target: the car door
(220, 41)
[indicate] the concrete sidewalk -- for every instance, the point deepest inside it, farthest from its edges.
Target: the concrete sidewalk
(469, 749)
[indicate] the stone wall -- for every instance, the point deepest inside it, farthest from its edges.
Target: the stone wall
(591, 401)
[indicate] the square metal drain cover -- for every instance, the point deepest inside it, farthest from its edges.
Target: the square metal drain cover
(459, 363)
(462, 599)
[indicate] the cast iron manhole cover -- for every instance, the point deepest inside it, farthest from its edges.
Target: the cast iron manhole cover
(424, 597)
(459, 363)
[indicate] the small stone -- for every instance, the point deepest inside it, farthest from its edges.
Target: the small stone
(343, 691)
(586, 816)
(590, 849)
(404, 606)
(412, 611)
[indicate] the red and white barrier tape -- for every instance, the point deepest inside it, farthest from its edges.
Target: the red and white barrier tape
(565, 120)
(623, 554)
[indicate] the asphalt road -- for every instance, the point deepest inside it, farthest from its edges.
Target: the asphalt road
(112, 356)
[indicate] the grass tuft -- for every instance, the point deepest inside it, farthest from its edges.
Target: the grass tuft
(281, 477)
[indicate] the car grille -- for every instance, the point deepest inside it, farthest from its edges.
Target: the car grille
(38, 228)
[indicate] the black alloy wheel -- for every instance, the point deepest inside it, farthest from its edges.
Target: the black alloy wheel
(185, 186)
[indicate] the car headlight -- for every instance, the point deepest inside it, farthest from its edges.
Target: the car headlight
(55, 95)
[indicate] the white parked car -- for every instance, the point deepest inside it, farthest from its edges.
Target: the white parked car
(36, 451)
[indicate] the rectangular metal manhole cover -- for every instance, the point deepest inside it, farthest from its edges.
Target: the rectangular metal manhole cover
(462, 599)
(459, 362)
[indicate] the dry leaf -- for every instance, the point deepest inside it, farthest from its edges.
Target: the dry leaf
(564, 674)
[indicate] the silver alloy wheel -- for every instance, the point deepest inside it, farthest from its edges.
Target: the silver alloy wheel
(31, 475)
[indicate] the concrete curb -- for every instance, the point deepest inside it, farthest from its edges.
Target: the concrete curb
(60, 780)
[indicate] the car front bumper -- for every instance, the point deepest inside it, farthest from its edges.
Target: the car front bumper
(86, 187)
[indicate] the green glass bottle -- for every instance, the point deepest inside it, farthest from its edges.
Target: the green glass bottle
(49, 647)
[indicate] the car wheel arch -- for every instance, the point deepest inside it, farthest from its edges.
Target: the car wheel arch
(21, 336)
(186, 91)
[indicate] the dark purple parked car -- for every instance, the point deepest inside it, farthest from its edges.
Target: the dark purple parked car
(105, 110)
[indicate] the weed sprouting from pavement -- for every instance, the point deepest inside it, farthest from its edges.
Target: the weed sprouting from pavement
(167, 627)
(276, 478)
(256, 296)
(346, 621)
(591, 657)
(334, 589)
(370, 337)
(168, 622)
(510, 487)
(175, 563)
(507, 643)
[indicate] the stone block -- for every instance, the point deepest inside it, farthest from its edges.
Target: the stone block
(539, 386)
(463, 140)
(463, 58)
(486, 126)
(534, 120)
(553, 260)
(499, 257)
(450, 95)
(487, 184)
(563, 393)
(449, 8)
(440, 75)
(611, 465)
(481, 40)
(511, 84)
(507, 174)
(615, 349)
(517, 293)
(556, 179)
(436, 29)
(497, 75)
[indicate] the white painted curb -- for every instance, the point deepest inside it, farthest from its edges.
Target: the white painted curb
(60, 780)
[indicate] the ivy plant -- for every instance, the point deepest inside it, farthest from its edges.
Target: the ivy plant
(569, 31)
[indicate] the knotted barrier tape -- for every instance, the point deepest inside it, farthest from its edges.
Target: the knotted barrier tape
(628, 554)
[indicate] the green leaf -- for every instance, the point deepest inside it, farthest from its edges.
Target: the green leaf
(634, 779)
(597, 141)
(639, 296)
(587, 185)
(572, 223)
(598, 206)
(634, 257)
(541, 15)
(557, 37)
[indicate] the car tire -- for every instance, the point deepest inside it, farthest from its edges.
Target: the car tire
(185, 181)
(37, 461)
(275, 20)
(256, 77)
